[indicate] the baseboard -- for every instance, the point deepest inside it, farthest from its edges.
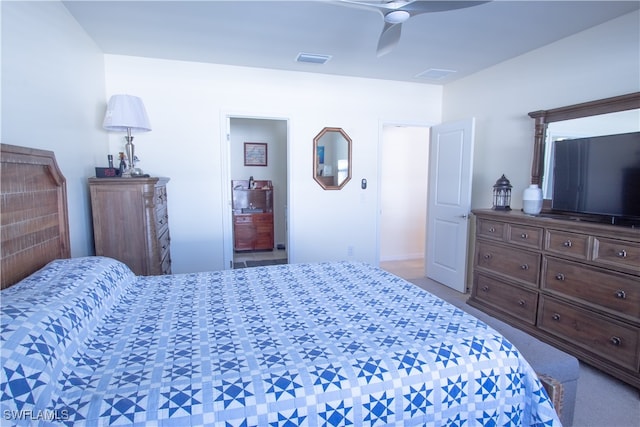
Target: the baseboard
(404, 257)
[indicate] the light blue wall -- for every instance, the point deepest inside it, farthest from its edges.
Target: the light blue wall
(53, 97)
(600, 62)
(55, 83)
(187, 104)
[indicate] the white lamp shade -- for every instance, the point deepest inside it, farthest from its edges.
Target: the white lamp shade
(126, 112)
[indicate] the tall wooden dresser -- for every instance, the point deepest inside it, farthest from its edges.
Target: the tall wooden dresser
(571, 283)
(131, 223)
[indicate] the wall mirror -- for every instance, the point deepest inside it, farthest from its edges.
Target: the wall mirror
(614, 115)
(332, 158)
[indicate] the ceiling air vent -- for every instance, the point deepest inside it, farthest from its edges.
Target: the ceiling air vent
(312, 58)
(435, 74)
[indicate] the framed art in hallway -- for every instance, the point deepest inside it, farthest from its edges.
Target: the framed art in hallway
(255, 154)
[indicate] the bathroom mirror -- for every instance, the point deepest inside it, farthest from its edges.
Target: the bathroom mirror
(604, 116)
(332, 158)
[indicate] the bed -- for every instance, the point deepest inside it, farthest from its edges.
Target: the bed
(85, 342)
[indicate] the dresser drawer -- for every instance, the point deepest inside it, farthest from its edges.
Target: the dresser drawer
(616, 292)
(617, 254)
(514, 263)
(266, 218)
(263, 242)
(166, 264)
(494, 230)
(568, 244)
(242, 219)
(516, 301)
(162, 219)
(609, 339)
(164, 242)
(264, 228)
(522, 235)
(160, 196)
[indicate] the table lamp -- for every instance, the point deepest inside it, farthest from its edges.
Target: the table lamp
(126, 113)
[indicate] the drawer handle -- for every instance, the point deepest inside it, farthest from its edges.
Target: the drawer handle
(568, 244)
(621, 294)
(560, 276)
(485, 288)
(622, 254)
(616, 341)
(487, 256)
(524, 236)
(521, 303)
(555, 316)
(524, 267)
(492, 229)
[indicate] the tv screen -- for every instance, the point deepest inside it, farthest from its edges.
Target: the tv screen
(598, 175)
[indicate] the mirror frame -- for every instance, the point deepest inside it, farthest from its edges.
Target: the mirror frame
(315, 159)
(630, 101)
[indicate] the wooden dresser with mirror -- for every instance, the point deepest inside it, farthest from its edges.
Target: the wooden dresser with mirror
(567, 280)
(252, 215)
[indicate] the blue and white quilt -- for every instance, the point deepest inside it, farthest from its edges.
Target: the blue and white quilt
(87, 343)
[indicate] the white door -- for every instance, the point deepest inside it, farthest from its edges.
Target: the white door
(449, 202)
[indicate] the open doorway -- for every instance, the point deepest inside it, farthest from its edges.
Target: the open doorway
(403, 188)
(268, 167)
(448, 165)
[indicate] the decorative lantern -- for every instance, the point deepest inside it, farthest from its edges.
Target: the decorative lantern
(502, 194)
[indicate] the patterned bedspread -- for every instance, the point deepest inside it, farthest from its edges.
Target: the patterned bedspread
(310, 344)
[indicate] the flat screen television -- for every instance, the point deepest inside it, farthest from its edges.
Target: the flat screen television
(598, 178)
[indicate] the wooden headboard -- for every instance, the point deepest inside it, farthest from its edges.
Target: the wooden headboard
(34, 223)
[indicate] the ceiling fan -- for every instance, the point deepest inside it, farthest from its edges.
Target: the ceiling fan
(399, 11)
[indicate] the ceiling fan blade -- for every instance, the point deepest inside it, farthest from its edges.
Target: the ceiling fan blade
(389, 38)
(414, 7)
(391, 12)
(418, 7)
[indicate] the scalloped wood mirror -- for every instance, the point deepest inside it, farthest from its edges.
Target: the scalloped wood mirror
(332, 158)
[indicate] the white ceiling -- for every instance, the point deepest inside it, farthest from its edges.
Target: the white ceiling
(270, 34)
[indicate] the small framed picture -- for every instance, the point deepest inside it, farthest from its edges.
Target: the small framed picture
(320, 154)
(255, 154)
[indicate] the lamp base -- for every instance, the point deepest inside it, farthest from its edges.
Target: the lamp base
(133, 173)
(131, 155)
